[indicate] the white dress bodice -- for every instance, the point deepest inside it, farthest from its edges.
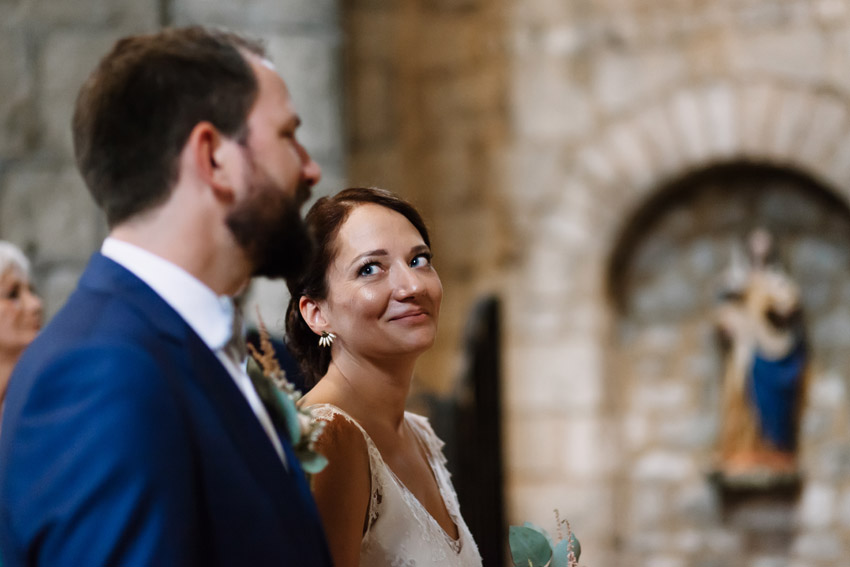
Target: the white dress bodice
(400, 532)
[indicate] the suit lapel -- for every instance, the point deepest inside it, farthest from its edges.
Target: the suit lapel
(202, 366)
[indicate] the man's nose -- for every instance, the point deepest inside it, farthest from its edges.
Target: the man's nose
(311, 173)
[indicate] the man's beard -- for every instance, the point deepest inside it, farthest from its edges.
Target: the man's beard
(268, 226)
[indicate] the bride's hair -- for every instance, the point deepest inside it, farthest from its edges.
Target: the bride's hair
(324, 220)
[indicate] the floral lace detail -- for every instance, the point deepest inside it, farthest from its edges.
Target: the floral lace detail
(400, 531)
(328, 412)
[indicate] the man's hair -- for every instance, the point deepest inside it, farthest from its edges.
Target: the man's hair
(136, 111)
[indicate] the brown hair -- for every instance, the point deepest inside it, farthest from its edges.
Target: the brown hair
(135, 112)
(324, 220)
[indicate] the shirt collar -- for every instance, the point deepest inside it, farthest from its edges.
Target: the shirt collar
(209, 315)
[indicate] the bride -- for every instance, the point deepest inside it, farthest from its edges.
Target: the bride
(357, 322)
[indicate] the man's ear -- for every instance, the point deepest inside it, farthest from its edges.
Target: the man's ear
(311, 311)
(215, 158)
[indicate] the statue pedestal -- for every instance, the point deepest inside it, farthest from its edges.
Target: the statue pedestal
(761, 505)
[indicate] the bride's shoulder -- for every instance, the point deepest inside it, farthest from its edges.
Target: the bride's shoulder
(342, 433)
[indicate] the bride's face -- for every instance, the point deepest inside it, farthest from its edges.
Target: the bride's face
(383, 293)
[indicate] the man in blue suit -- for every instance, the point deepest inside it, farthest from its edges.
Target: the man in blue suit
(130, 437)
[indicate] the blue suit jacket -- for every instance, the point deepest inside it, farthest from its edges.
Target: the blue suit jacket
(125, 442)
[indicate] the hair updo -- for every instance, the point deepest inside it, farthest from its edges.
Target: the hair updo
(323, 221)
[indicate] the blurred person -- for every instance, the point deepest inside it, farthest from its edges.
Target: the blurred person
(20, 310)
(358, 320)
(132, 436)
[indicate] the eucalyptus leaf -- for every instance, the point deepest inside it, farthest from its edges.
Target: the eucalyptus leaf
(312, 463)
(529, 545)
(561, 555)
(542, 531)
(290, 412)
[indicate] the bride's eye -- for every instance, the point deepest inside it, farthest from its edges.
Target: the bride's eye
(421, 260)
(368, 269)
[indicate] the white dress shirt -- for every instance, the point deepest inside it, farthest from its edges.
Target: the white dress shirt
(209, 315)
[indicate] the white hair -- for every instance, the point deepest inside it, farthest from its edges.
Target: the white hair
(12, 257)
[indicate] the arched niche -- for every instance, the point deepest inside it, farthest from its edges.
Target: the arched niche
(662, 277)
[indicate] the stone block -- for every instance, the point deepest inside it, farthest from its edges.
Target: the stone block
(721, 126)
(844, 509)
(668, 294)
(624, 143)
(828, 391)
(587, 506)
(18, 120)
(797, 53)
(587, 448)
(622, 79)
(647, 510)
(664, 467)
(51, 215)
(814, 257)
(687, 114)
(665, 560)
(757, 106)
(534, 446)
(452, 6)
(699, 504)
(795, 109)
(373, 117)
(831, 12)
(559, 378)
(823, 130)
(597, 165)
(549, 104)
(656, 126)
(259, 15)
(692, 432)
(838, 168)
(636, 431)
(369, 35)
(666, 396)
(817, 506)
(68, 59)
(447, 42)
(818, 546)
(310, 67)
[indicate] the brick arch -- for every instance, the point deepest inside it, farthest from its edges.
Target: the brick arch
(801, 127)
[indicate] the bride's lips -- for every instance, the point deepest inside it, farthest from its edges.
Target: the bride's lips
(410, 316)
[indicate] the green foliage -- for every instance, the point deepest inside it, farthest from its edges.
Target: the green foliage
(532, 546)
(529, 546)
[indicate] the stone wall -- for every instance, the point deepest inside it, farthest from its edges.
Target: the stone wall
(50, 47)
(426, 102)
(594, 107)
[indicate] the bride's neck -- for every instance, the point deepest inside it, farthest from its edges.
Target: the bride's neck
(378, 389)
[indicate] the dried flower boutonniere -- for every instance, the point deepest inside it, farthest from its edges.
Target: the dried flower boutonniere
(281, 398)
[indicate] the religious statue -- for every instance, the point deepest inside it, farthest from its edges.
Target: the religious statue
(765, 365)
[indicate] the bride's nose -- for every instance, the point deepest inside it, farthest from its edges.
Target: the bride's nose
(406, 282)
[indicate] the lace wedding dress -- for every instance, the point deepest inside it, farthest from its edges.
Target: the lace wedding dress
(400, 532)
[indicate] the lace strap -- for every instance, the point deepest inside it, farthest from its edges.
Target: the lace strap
(422, 427)
(327, 412)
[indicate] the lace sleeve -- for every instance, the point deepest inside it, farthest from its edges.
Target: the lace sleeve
(328, 412)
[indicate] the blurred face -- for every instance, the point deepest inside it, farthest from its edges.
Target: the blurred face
(279, 176)
(20, 312)
(383, 293)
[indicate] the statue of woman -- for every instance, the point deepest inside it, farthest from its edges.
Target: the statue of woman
(764, 380)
